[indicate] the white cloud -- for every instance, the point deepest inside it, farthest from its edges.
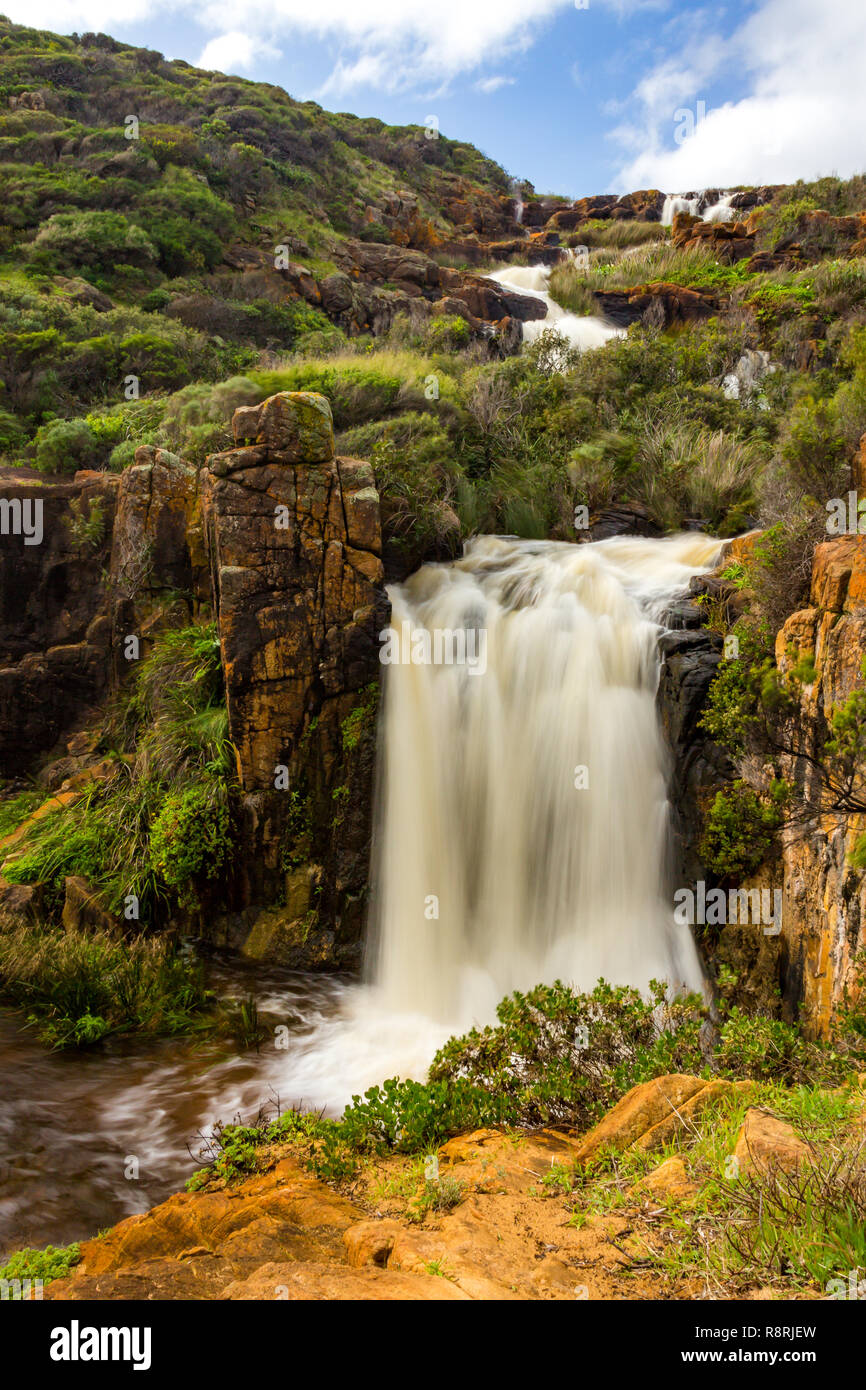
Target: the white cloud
(393, 45)
(803, 114)
(492, 84)
(234, 53)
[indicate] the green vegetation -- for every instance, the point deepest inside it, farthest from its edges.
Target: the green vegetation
(556, 1057)
(78, 987)
(154, 834)
(118, 261)
(740, 828)
(44, 1265)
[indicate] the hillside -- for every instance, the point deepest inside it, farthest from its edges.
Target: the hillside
(271, 378)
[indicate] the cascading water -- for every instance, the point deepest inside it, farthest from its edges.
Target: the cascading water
(698, 204)
(580, 331)
(522, 818)
(526, 801)
(478, 808)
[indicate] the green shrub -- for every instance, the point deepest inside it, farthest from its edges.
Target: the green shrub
(63, 446)
(15, 809)
(12, 434)
(767, 1049)
(447, 333)
(190, 840)
(44, 1265)
(740, 829)
(90, 242)
(814, 449)
(563, 1057)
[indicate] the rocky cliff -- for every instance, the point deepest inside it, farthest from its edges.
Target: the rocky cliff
(810, 969)
(281, 541)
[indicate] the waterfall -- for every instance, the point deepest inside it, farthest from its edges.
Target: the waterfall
(522, 818)
(674, 203)
(524, 872)
(721, 211)
(698, 205)
(580, 330)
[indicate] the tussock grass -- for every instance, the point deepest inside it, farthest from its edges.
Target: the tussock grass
(619, 234)
(78, 987)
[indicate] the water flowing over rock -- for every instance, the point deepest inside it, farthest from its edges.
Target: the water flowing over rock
(532, 874)
(580, 331)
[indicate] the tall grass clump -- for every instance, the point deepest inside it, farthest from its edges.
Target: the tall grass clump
(78, 987)
(159, 825)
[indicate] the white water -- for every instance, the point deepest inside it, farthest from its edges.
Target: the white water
(532, 878)
(720, 211)
(536, 878)
(580, 331)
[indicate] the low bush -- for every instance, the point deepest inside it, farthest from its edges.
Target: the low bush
(27, 1266)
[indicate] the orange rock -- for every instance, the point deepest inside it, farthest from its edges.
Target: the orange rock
(670, 1181)
(370, 1242)
(765, 1143)
(639, 1110)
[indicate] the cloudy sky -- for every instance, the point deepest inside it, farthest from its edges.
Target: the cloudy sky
(579, 96)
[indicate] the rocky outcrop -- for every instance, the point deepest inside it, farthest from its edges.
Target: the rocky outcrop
(55, 634)
(294, 541)
(497, 1215)
(659, 305)
(652, 1114)
(727, 241)
(690, 657)
(281, 541)
(807, 970)
(824, 922)
(284, 1235)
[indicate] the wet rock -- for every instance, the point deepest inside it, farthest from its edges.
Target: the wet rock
(698, 767)
(627, 519)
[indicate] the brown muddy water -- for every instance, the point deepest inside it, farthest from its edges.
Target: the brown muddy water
(70, 1122)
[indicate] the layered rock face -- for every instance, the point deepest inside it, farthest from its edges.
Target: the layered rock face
(806, 971)
(281, 541)
(294, 541)
(824, 925)
(55, 633)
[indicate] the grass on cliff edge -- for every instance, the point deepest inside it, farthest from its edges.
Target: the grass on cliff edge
(158, 825)
(78, 987)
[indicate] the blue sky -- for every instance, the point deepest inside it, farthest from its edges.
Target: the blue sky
(607, 95)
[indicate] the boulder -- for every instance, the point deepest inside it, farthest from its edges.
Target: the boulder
(84, 909)
(766, 1143)
(640, 1110)
(296, 425)
(669, 1182)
